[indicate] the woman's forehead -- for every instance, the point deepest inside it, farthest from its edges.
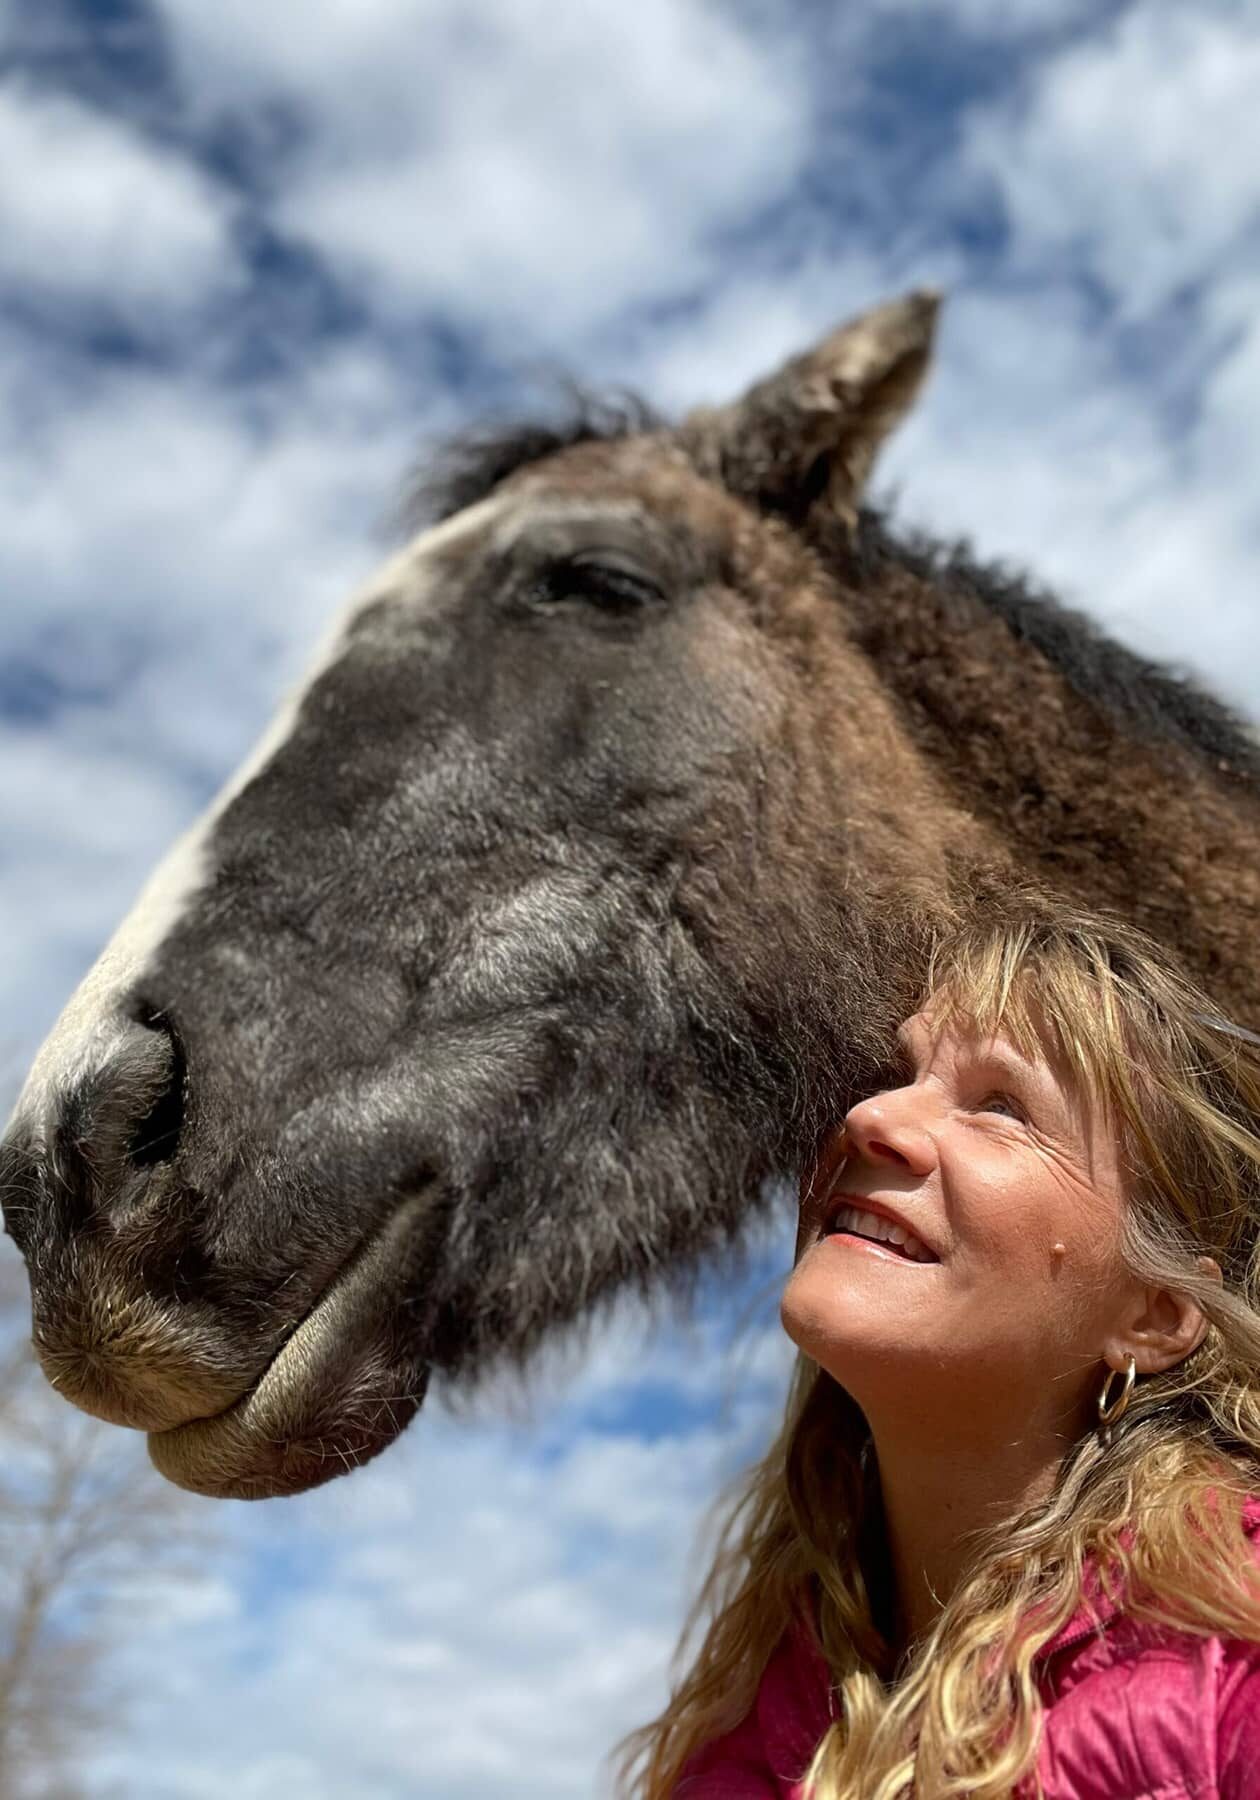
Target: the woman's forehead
(950, 1026)
(1023, 1044)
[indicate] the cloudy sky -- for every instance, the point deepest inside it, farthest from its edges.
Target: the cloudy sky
(252, 256)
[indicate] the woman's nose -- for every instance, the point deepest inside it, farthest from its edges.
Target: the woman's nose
(890, 1128)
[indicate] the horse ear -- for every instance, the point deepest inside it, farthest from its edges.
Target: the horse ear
(808, 435)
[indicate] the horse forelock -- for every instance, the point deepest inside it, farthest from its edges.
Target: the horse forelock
(470, 465)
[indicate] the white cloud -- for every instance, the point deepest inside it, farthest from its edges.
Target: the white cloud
(520, 167)
(998, 18)
(163, 500)
(1133, 152)
(86, 821)
(91, 211)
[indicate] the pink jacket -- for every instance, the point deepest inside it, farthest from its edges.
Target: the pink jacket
(1132, 1712)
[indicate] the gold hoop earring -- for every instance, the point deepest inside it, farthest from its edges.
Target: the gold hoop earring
(1109, 1409)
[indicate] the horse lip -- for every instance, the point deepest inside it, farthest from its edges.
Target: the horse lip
(273, 1438)
(341, 1273)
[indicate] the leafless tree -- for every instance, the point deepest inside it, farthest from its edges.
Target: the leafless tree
(83, 1519)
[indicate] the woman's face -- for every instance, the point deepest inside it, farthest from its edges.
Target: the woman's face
(1011, 1278)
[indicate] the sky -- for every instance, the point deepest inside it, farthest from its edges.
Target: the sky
(252, 259)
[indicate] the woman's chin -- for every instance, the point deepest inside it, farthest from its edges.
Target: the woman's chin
(850, 1279)
(847, 1342)
(855, 1331)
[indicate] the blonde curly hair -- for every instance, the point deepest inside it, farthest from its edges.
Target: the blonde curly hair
(1158, 1512)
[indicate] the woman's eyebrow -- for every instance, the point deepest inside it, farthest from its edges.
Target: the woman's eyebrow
(1033, 1079)
(1014, 1068)
(909, 1038)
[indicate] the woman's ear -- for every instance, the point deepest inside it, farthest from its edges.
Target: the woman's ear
(1164, 1326)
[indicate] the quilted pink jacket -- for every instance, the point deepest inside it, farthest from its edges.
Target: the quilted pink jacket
(1132, 1712)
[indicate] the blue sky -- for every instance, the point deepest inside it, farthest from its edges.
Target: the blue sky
(252, 257)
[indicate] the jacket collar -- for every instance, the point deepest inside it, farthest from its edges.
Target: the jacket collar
(1098, 1606)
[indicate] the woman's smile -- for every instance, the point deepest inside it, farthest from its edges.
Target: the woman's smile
(854, 1223)
(850, 1241)
(863, 1216)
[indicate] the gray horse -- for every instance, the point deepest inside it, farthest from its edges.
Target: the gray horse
(570, 898)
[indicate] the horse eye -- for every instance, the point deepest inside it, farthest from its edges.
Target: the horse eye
(606, 586)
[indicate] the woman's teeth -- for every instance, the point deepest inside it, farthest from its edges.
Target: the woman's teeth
(859, 1223)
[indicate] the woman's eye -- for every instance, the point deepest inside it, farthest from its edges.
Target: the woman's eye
(1005, 1104)
(606, 586)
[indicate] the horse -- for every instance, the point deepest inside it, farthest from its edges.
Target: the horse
(571, 896)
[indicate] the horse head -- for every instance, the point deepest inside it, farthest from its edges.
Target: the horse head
(556, 912)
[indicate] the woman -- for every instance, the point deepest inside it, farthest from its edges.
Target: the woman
(1008, 1534)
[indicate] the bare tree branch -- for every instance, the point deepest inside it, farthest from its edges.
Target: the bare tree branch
(82, 1515)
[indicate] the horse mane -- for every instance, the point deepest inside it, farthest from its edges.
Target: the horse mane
(1157, 701)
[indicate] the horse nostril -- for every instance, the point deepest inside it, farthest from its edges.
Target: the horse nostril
(121, 1117)
(155, 1138)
